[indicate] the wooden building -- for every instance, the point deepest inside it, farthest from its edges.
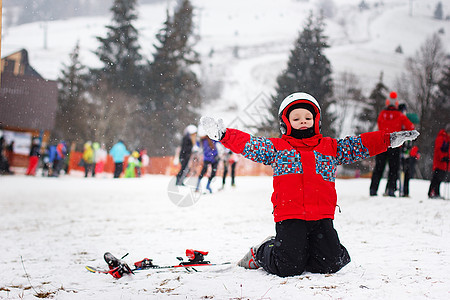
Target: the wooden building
(28, 105)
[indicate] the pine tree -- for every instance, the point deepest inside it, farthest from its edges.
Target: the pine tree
(372, 108)
(442, 99)
(444, 83)
(119, 50)
(425, 70)
(173, 94)
(72, 105)
(308, 70)
(438, 12)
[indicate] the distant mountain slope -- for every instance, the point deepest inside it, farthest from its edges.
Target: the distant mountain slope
(245, 44)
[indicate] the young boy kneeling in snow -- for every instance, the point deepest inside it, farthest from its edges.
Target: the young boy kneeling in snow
(304, 198)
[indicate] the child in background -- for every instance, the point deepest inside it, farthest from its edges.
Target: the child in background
(133, 161)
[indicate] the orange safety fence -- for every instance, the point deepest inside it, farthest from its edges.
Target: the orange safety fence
(165, 165)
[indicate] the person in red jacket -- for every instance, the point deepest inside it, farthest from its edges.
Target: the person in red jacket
(440, 161)
(33, 160)
(304, 196)
(389, 120)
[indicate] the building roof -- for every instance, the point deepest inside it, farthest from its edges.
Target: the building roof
(27, 100)
(18, 64)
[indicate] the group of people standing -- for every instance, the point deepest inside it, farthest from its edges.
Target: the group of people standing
(391, 119)
(54, 158)
(94, 159)
(403, 159)
(213, 153)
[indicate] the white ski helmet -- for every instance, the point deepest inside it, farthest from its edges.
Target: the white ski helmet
(292, 99)
(190, 129)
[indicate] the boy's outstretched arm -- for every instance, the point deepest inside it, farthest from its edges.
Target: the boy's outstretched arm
(257, 149)
(352, 149)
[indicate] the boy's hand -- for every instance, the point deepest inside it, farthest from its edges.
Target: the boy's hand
(399, 137)
(214, 129)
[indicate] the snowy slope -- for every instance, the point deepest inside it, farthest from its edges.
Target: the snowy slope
(400, 247)
(263, 31)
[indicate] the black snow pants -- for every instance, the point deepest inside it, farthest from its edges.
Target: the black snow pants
(392, 155)
(300, 246)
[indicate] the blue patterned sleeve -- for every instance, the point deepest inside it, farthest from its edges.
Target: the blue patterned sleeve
(260, 150)
(350, 150)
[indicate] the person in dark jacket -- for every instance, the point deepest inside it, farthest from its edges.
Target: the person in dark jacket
(34, 157)
(389, 120)
(441, 164)
(304, 196)
(229, 161)
(188, 141)
(408, 157)
(4, 164)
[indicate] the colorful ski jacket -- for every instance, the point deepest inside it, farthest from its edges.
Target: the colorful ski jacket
(88, 154)
(304, 170)
(118, 152)
(61, 150)
(441, 151)
(210, 152)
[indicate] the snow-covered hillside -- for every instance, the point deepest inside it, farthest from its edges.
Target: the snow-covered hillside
(400, 247)
(244, 45)
(261, 33)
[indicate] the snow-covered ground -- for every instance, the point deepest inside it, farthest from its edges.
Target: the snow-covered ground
(400, 247)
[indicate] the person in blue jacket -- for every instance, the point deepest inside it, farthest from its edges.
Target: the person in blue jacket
(118, 153)
(210, 157)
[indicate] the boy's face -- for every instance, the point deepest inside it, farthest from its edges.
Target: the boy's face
(301, 118)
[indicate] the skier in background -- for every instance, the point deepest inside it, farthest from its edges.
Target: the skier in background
(101, 156)
(95, 149)
(4, 164)
(229, 161)
(132, 163)
(408, 156)
(88, 159)
(33, 160)
(10, 153)
(441, 165)
(145, 160)
(187, 143)
(118, 152)
(389, 120)
(210, 158)
(60, 155)
(304, 198)
(51, 159)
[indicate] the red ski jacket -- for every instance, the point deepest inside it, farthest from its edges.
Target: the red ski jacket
(304, 170)
(441, 151)
(391, 120)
